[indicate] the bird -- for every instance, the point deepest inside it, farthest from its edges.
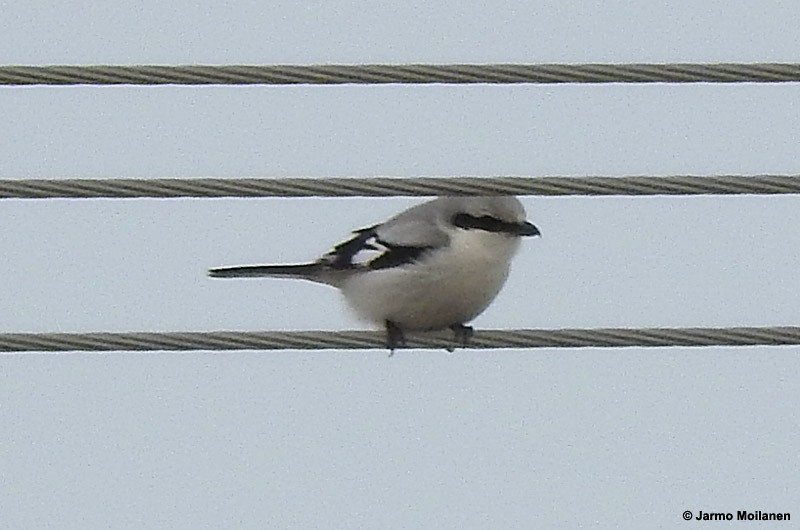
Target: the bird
(434, 266)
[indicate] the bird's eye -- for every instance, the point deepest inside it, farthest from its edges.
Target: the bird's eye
(465, 221)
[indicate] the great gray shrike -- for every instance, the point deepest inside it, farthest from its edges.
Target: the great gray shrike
(436, 265)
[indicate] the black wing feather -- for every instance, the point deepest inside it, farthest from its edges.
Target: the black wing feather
(396, 255)
(344, 255)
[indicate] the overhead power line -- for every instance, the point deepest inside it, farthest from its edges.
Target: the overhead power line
(333, 74)
(366, 340)
(395, 186)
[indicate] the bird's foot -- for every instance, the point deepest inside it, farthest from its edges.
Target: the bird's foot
(394, 337)
(462, 335)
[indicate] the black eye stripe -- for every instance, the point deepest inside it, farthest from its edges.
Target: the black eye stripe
(484, 222)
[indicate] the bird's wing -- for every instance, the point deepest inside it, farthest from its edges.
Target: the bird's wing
(413, 232)
(392, 244)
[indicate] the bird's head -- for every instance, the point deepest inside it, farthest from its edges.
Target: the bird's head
(501, 215)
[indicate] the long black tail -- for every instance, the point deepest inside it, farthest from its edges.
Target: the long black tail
(306, 271)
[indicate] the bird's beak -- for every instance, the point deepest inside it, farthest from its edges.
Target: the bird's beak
(527, 229)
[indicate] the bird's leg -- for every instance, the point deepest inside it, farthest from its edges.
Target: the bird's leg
(394, 337)
(462, 334)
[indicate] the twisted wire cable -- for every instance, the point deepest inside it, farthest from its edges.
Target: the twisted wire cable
(368, 340)
(396, 186)
(332, 74)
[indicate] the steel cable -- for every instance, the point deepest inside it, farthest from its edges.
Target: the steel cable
(366, 340)
(398, 186)
(332, 74)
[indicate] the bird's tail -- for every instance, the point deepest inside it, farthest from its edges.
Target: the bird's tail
(305, 271)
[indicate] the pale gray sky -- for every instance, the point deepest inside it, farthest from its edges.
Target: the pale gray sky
(500, 439)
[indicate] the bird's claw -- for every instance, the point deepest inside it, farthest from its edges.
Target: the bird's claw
(394, 337)
(462, 335)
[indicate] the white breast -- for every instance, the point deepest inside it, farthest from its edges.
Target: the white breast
(448, 286)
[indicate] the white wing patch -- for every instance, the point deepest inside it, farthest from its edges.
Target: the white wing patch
(357, 252)
(370, 250)
(366, 251)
